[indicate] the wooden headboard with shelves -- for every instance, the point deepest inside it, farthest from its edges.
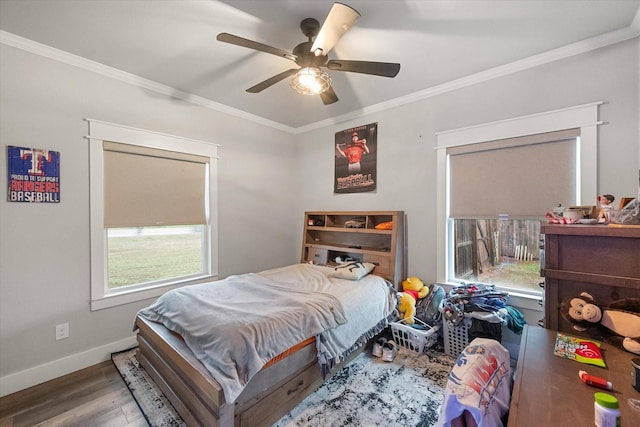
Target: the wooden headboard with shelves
(353, 234)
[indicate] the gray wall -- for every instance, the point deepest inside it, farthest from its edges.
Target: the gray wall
(406, 142)
(44, 249)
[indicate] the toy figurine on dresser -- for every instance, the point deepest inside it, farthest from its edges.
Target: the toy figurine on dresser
(605, 203)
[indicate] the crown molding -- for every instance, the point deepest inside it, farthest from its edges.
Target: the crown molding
(46, 51)
(553, 55)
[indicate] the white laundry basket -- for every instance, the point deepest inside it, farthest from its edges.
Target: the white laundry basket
(413, 339)
(456, 338)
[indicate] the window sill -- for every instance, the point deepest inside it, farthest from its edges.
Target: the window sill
(135, 295)
(516, 299)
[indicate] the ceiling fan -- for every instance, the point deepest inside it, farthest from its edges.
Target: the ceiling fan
(311, 56)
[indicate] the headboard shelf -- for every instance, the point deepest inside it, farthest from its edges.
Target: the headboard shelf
(352, 234)
(342, 229)
(350, 248)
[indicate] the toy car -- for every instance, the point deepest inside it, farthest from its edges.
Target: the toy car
(355, 223)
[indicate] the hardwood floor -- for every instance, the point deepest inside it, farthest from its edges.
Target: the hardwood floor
(95, 396)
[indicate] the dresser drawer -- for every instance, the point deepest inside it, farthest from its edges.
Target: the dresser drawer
(382, 263)
(318, 255)
(282, 399)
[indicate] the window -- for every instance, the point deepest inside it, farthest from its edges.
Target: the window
(495, 183)
(153, 210)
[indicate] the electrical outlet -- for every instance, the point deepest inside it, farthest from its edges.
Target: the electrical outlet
(62, 331)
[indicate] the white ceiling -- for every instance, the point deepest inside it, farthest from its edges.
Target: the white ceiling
(439, 43)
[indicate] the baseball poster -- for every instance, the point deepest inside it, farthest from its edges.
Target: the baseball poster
(355, 159)
(34, 175)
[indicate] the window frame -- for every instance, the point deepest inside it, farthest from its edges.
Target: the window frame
(583, 116)
(99, 131)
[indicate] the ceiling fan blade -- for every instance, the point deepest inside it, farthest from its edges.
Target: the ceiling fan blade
(273, 80)
(340, 18)
(384, 69)
(329, 96)
(239, 41)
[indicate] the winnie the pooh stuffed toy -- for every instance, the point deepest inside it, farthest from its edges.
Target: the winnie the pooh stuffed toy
(412, 290)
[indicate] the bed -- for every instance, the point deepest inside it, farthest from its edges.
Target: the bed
(257, 376)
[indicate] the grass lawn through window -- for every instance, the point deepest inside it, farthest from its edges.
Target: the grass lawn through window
(512, 273)
(135, 259)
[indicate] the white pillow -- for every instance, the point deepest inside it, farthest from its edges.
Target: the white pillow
(354, 270)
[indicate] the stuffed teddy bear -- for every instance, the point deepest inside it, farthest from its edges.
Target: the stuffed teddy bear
(412, 290)
(620, 320)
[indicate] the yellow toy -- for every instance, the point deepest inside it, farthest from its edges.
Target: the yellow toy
(412, 290)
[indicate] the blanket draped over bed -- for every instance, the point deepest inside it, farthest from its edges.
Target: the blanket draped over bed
(235, 325)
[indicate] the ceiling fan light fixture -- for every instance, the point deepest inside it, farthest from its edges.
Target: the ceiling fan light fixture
(311, 81)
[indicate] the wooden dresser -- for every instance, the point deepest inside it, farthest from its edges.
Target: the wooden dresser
(548, 391)
(603, 260)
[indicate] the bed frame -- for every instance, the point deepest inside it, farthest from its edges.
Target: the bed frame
(199, 399)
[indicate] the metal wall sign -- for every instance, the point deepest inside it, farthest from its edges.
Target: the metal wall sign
(33, 175)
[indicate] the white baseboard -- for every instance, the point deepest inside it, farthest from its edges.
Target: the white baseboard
(38, 374)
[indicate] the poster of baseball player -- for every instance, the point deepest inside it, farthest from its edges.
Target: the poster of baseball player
(355, 153)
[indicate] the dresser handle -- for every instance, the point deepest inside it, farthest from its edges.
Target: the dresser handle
(541, 284)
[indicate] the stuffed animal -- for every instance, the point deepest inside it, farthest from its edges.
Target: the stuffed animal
(620, 320)
(412, 290)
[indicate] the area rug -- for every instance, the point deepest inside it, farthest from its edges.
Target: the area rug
(155, 407)
(367, 392)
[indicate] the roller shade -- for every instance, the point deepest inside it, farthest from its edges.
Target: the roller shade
(147, 187)
(521, 177)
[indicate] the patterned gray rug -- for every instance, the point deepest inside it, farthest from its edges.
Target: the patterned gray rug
(367, 392)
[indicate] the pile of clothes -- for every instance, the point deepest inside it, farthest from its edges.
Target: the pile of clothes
(485, 306)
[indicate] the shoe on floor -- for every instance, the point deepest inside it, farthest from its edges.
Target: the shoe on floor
(389, 351)
(377, 347)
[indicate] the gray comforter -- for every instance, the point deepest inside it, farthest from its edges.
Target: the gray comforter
(234, 326)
